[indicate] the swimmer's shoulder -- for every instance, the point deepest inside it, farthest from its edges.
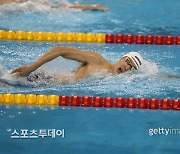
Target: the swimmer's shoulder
(100, 61)
(99, 58)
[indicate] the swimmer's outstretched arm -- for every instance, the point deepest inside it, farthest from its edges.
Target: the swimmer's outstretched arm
(85, 57)
(2, 2)
(86, 7)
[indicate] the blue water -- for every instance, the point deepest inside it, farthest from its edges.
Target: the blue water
(130, 16)
(90, 130)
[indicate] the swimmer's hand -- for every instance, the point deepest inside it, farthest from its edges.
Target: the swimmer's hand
(22, 71)
(101, 8)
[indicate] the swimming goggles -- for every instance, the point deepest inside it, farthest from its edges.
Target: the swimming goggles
(129, 62)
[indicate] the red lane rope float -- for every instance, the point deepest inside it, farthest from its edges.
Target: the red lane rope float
(120, 102)
(142, 39)
(89, 101)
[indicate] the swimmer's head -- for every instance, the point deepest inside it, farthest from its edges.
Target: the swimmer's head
(130, 61)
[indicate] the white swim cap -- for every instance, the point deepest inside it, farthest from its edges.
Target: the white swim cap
(136, 58)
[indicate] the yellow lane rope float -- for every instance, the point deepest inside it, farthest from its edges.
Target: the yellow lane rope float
(51, 36)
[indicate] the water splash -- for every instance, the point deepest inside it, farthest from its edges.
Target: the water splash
(41, 16)
(32, 6)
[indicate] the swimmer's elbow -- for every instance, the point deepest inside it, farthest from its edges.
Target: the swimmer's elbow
(60, 50)
(68, 52)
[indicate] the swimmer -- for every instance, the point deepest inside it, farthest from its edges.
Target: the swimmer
(91, 62)
(79, 7)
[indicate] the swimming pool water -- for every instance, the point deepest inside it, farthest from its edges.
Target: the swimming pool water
(130, 16)
(90, 130)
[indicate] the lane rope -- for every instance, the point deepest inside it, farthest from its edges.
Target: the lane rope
(89, 37)
(89, 101)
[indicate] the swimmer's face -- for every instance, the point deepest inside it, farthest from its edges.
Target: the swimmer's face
(123, 65)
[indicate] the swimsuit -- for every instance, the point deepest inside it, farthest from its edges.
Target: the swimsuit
(39, 77)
